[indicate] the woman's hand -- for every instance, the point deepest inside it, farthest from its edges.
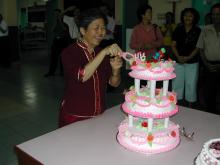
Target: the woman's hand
(182, 59)
(112, 50)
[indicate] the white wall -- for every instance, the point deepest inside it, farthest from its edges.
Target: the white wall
(163, 6)
(7, 6)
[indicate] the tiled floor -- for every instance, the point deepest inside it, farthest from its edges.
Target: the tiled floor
(29, 103)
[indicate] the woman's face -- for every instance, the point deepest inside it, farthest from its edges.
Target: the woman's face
(216, 16)
(147, 17)
(95, 32)
(188, 18)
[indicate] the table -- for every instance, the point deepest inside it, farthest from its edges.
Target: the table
(93, 142)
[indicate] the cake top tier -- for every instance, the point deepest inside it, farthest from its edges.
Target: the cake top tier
(152, 67)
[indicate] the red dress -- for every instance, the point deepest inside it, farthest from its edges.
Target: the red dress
(82, 100)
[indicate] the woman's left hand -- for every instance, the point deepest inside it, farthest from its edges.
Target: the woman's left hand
(116, 62)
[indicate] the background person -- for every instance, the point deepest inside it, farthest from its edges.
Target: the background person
(184, 48)
(167, 30)
(70, 18)
(145, 37)
(5, 60)
(61, 40)
(110, 28)
(209, 45)
(88, 69)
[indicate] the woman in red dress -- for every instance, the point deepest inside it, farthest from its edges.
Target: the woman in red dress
(88, 69)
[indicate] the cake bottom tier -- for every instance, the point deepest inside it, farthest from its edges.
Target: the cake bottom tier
(137, 138)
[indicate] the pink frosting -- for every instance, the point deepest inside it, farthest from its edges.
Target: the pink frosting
(122, 141)
(149, 114)
(166, 102)
(158, 78)
(162, 141)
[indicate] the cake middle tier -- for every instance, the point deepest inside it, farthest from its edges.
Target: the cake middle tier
(142, 105)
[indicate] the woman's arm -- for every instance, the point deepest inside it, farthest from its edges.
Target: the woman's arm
(176, 53)
(192, 54)
(159, 38)
(90, 68)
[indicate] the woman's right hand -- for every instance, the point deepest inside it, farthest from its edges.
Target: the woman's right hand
(112, 50)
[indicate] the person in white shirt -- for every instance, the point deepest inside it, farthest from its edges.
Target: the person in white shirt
(4, 44)
(209, 45)
(110, 27)
(69, 17)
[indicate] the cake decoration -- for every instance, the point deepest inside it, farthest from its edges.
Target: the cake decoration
(148, 129)
(210, 154)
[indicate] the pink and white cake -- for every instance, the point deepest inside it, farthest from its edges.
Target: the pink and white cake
(210, 154)
(147, 128)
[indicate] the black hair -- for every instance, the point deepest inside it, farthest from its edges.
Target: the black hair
(142, 10)
(87, 16)
(171, 16)
(208, 18)
(217, 5)
(194, 12)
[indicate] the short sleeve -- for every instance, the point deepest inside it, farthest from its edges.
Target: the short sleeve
(200, 43)
(73, 63)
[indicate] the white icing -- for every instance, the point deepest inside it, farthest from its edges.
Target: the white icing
(208, 156)
(147, 75)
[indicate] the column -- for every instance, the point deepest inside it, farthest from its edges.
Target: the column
(165, 87)
(166, 122)
(130, 121)
(137, 86)
(150, 124)
(152, 88)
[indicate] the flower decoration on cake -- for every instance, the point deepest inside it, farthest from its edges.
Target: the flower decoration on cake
(150, 138)
(173, 134)
(144, 124)
(171, 98)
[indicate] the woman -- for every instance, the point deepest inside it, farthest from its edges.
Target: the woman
(184, 48)
(146, 37)
(167, 30)
(87, 70)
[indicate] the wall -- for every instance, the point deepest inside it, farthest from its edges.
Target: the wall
(203, 7)
(162, 6)
(6, 7)
(118, 11)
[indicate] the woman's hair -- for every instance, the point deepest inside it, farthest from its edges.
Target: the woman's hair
(217, 5)
(194, 12)
(87, 16)
(141, 11)
(170, 15)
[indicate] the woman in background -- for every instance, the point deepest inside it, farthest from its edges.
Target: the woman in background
(184, 48)
(88, 69)
(167, 30)
(146, 37)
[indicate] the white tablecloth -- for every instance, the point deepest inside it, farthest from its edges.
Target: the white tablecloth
(93, 141)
